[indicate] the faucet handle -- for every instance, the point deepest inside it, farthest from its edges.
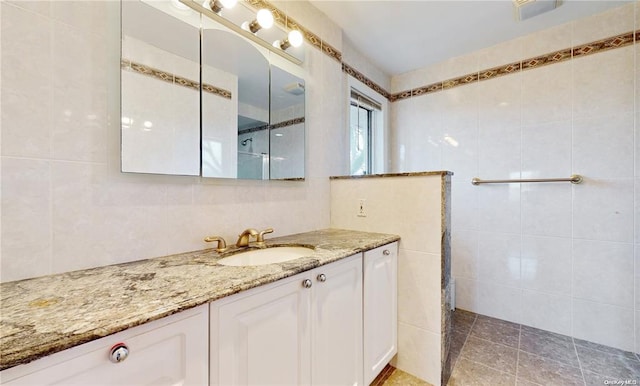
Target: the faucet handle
(260, 239)
(222, 245)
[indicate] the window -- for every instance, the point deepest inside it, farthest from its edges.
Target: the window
(364, 120)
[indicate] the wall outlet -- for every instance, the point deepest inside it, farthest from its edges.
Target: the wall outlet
(362, 211)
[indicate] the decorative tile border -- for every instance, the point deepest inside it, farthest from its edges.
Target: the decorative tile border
(598, 46)
(362, 78)
(290, 122)
(278, 125)
(168, 77)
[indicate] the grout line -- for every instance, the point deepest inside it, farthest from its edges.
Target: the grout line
(584, 381)
(518, 353)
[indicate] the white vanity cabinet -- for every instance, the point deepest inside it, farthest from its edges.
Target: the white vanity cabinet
(380, 270)
(169, 351)
(306, 329)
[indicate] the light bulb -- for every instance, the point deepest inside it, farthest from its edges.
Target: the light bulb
(178, 5)
(229, 3)
(265, 18)
(295, 38)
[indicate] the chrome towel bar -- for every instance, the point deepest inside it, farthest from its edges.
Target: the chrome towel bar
(574, 179)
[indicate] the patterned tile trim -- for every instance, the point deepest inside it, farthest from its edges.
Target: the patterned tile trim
(499, 71)
(290, 122)
(360, 76)
(604, 45)
(139, 68)
(526, 64)
(551, 58)
(278, 125)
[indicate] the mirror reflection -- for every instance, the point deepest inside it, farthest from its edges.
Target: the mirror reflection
(231, 63)
(286, 132)
(160, 91)
(198, 99)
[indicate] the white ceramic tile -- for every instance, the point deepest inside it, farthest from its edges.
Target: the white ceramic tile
(419, 292)
(413, 79)
(637, 331)
(464, 254)
(636, 281)
(546, 264)
(546, 94)
(499, 151)
(499, 258)
(41, 7)
(26, 218)
(603, 25)
(499, 206)
(26, 83)
(419, 353)
(458, 66)
(546, 41)
(546, 208)
(603, 210)
(537, 306)
(500, 302)
(601, 146)
(546, 150)
(467, 294)
(499, 54)
(464, 206)
(88, 16)
(602, 272)
(603, 83)
(605, 324)
(500, 101)
(390, 202)
(423, 147)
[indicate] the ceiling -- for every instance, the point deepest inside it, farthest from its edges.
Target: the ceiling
(400, 36)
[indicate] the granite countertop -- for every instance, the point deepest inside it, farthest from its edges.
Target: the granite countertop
(48, 314)
(406, 174)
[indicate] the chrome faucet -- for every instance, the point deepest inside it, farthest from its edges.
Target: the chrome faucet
(245, 237)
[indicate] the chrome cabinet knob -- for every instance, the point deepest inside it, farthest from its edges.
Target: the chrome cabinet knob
(119, 353)
(386, 252)
(322, 277)
(306, 283)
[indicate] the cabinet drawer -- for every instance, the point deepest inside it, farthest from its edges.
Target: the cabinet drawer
(169, 351)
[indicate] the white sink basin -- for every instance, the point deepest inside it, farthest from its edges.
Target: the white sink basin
(266, 256)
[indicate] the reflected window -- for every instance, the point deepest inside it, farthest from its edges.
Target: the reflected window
(364, 117)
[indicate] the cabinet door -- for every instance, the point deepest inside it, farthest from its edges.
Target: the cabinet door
(337, 323)
(380, 309)
(169, 351)
(263, 338)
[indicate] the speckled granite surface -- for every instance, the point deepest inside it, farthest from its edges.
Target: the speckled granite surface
(407, 174)
(48, 314)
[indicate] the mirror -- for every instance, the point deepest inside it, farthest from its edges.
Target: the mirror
(198, 99)
(160, 76)
(230, 62)
(286, 131)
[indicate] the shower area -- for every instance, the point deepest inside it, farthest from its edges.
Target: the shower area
(253, 154)
(559, 257)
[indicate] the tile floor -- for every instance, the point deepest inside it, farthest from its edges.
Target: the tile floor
(488, 351)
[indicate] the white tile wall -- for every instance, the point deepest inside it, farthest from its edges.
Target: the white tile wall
(409, 207)
(66, 206)
(555, 256)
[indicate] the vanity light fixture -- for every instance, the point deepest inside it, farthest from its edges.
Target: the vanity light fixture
(217, 5)
(294, 39)
(264, 19)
